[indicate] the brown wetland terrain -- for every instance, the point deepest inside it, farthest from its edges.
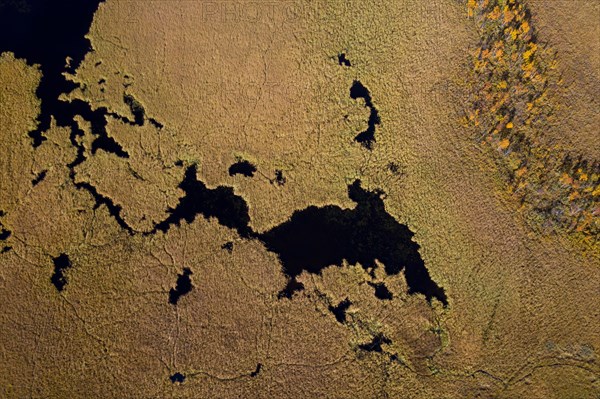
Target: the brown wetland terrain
(300, 199)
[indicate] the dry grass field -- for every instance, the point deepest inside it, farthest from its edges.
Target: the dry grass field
(136, 262)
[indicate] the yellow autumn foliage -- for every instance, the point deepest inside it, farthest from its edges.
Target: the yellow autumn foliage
(566, 179)
(509, 57)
